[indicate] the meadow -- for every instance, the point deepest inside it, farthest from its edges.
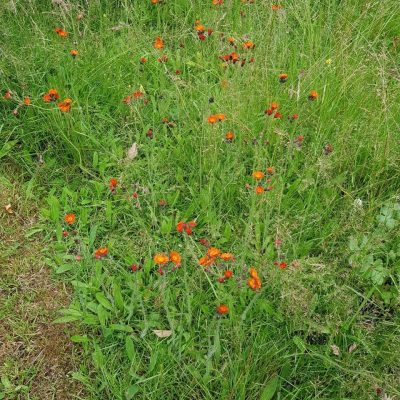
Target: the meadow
(200, 199)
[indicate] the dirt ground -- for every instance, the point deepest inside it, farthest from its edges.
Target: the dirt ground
(36, 356)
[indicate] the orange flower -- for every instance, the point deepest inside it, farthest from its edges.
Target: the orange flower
(180, 226)
(254, 282)
(137, 94)
(220, 117)
(206, 261)
(163, 58)
(113, 184)
(200, 28)
(160, 259)
(276, 7)
(154, 1)
(175, 257)
(259, 189)
(283, 78)
(60, 32)
(74, 53)
(231, 40)
(274, 105)
(143, 60)
(27, 101)
(158, 43)
(228, 274)
(65, 105)
(70, 219)
(51, 95)
(313, 95)
(227, 256)
(229, 136)
(213, 252)
(248, 45)
(101, 252)
(258, 175)
(217, 2)
(270, 170)
(222, 309)
(8, 95)
(212, 119)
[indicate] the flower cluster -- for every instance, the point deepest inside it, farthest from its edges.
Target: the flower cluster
(186, 226)
(254, 282)
(162, 260)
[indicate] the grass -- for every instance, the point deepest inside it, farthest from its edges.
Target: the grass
(324, 327)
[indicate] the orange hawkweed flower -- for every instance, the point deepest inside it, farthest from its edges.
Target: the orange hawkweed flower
(101, 252)
(259, 189)
(254, 282)
(113, 184)
(222, 309)
(229, 136)
(60, 32)
(283, 78)
(154, 1)
(143, 60)
(158, 43)
(70, 219)
(258, 175)
(274, 105)
(217, 2)
(27, 101)
(163, 58)
(175, 257)
(227, 256)
(270, 170)
(231, 40)
(228, 274)
(200, 28)
(276, 7)
(220, 117)
(212, 119)
(206, 261)
(249, 45)
(65, 105)
(160, 259)
(51, 95)
(213, 252)
(8, 95)
(74, 53)
(313, 95)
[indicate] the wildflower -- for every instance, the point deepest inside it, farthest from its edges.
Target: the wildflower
(229, 136)
(70, 219)
(254, 282)
(298, 141)
(158, 43)
(101, 252)
(231, 40)
(276, 7)
(313, 95)
(212, 119)
(210, 31)
(293, 117)
(222, 308)
(200, 28)
(220, 117)
(60, 32)
(113, 184)
(155, 1)
(227, 256)
(163, 58)
(269, 111)
(206, 261)
(134, 267)
(160, 259)
(258, 175)
(74, 53)
(27, 100)
(259, 189)
(65, 105)
(328, 61)
(204, 242)
(228, 274)
(51, 95)
(143, 60)
(274, 106)
(282, 265)
(217, 2)
(8, 95)
(213, 252)
(277, 115)
(221, 279)
(127, 99)
(175, 258)
(248, 45)
(283, 78)
(201, 37)
(185, 226)
(162, 203)
(270, 170)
